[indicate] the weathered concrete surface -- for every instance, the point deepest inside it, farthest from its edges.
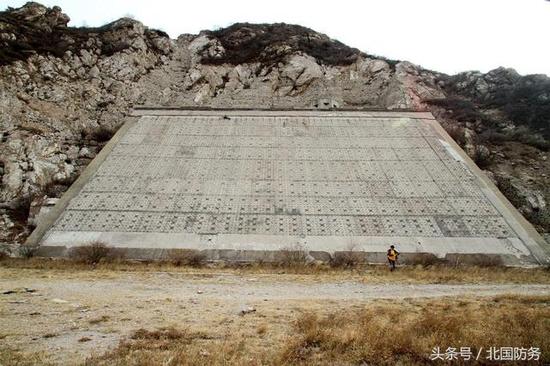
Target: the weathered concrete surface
(247, 184)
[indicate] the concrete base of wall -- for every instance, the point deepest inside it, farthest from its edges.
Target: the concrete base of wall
(264, 248)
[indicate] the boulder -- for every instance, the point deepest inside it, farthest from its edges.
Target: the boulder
(39, 208)
(301, 70)
(204, 47)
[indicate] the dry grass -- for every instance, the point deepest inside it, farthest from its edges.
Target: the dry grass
(462, 260)
(381, 333)
(479, 260)
(101, 319)
(419, 273)
(11, 356)
(422, 259)
(394, 333)
(351, 258)
(165, 346)
(262, 329)
(295, 256)
(187, 257)
(459, 274)
(94, 253)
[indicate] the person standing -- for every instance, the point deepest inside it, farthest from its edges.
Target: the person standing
(392, 257)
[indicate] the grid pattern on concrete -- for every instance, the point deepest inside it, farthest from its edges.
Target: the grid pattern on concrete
(296, 175)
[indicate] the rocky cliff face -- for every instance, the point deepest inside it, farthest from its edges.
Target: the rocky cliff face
(64, 91)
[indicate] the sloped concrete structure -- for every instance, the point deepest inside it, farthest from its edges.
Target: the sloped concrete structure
(243, 185)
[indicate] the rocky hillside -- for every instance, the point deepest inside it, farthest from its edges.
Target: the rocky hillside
(64, 91)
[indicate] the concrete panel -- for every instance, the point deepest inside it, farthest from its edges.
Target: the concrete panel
(264, 181)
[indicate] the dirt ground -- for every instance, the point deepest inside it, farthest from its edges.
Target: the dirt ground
(70, 316)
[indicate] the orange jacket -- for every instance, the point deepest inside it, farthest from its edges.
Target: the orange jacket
(392, 254)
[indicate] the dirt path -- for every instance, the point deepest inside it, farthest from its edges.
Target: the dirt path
(70, 316)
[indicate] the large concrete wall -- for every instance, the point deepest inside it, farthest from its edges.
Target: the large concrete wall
(246, 184)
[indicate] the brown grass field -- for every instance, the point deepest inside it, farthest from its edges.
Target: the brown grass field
(438, 273)
(168, 326)
(378, 333)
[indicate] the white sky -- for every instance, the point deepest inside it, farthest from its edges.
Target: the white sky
(443, 35)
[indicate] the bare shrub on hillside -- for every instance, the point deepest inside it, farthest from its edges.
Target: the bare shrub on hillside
(541, 217)
(457, 133)
(100, 134)
(482, 156)
(527, 136)
(491, 136)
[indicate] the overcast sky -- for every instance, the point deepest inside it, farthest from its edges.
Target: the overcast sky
(442, 35)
